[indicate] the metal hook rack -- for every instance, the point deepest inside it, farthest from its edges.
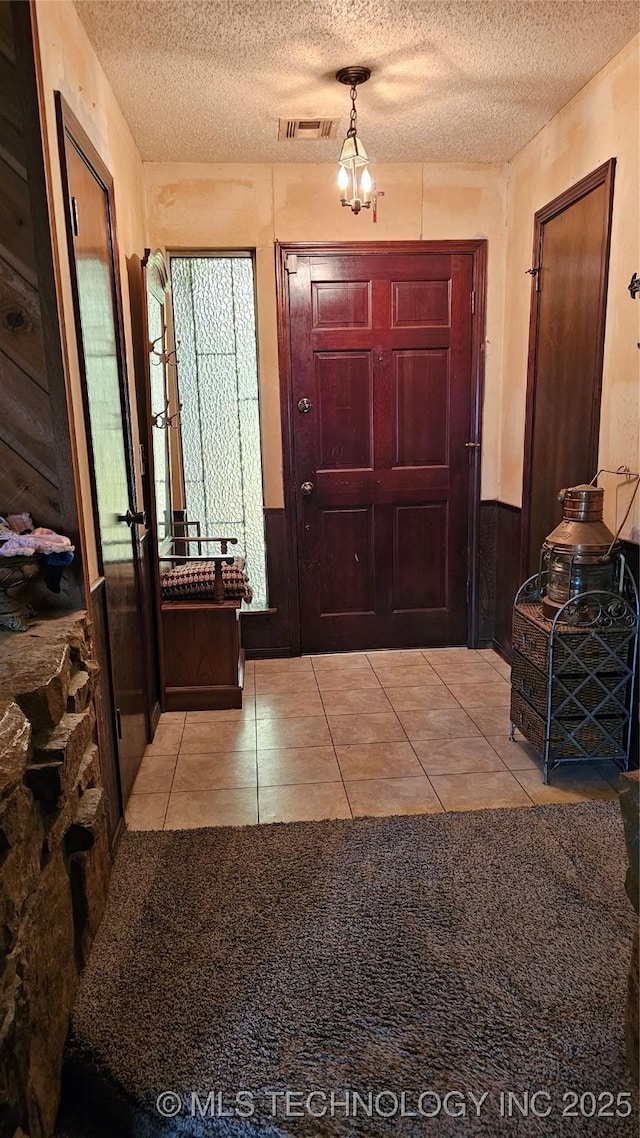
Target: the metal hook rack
(163, 421)
(163, 357)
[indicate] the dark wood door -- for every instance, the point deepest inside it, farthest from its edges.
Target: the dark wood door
(571, 258)
(108, 430)
(151, 395)
(381, 348)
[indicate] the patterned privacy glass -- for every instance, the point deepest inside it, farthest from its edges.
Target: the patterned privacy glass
(215, 322)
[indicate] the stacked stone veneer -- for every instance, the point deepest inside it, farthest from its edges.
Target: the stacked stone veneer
(54, 858)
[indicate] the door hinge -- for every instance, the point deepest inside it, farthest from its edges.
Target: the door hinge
(74, 217)
(291, 262)
(119, 722)
(143, 465)
(468, 590)
(473, 302)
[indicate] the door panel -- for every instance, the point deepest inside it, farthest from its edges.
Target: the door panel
(107, 424)
(421, 304)
(421, 380)
(341, 304)
(347, 560)
(419, 580)
(567, 337)
(344, 399)
(381, 346)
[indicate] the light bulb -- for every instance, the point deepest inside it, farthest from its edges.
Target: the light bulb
(343, 181)
(366, 183)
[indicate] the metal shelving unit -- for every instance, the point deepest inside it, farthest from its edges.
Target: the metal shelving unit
(573, 676)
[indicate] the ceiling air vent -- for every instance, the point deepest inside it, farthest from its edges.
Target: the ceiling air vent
(306, 129)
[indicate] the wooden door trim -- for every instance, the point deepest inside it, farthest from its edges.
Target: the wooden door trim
(477, 249)
(106, 732)
(138, 277)
(603, 175)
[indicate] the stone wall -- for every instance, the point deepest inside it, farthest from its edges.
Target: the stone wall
(54, 858)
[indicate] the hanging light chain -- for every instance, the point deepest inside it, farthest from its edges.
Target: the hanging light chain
(353, 118)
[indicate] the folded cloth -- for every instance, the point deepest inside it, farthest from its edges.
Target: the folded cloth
(194, 581)
(20, 523)
(40, 541)
(54, 568)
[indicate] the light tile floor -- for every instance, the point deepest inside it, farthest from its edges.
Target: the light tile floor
(407, 732)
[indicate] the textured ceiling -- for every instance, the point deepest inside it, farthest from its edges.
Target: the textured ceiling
(207, 80)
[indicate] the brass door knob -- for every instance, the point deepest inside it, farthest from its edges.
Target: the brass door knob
(307, 489)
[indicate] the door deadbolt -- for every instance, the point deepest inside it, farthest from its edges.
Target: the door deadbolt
(304, 406)
(307, 488)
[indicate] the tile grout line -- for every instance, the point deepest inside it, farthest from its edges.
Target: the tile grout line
(255, 728)
(427, 776)
(173, 779)
(344, 785)
(255, 743)
(531, 800)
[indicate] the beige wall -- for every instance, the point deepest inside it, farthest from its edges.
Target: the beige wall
(601, 122)
(69, 64)
(251, 206)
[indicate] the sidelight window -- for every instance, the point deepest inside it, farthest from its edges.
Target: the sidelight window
(215, 324)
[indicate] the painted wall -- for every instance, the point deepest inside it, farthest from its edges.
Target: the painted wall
(252, 206)
(69, 64)
(601, 122)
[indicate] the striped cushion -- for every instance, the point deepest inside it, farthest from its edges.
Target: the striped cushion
(194, 581)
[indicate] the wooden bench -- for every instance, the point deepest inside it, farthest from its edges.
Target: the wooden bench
(201, 656)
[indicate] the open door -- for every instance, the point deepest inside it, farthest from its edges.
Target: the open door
(90, 230)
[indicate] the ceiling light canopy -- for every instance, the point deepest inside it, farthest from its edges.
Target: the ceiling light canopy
(354, 178)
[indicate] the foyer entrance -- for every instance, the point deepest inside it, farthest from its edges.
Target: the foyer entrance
(382, 397)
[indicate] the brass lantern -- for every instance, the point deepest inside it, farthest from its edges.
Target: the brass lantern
(581, 554)
(354, 179)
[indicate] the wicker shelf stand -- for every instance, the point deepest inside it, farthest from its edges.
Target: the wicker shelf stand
(573, 677)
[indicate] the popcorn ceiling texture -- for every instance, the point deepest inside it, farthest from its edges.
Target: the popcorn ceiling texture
(207, 80)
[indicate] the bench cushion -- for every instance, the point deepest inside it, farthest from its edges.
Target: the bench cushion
(194, 581)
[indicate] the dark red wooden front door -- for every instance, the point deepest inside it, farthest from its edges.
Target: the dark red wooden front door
(381, 349)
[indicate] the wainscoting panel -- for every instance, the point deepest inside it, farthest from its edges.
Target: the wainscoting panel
(499, 577)
(487, 525)
(268, 633)
(508, 522)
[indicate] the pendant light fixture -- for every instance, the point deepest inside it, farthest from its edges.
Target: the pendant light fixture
(354, 179)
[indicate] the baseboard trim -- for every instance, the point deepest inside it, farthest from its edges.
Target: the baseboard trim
(268, 653)
(501, 649)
